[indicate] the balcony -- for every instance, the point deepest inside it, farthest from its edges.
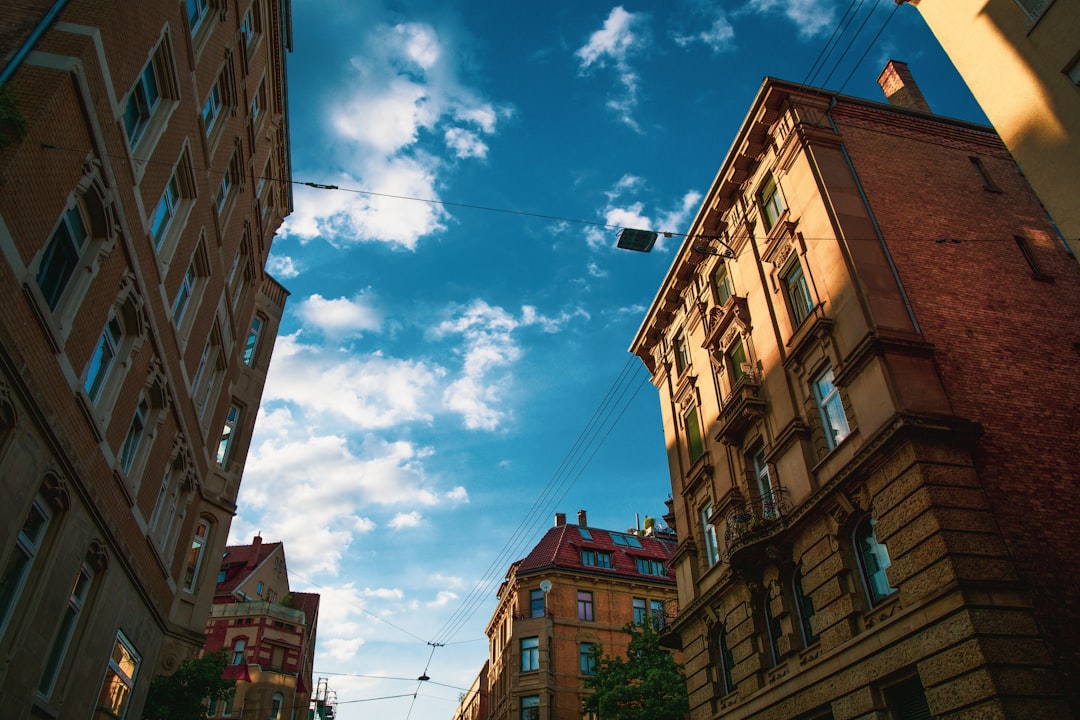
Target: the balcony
(664, 624)
(756, 520)
(258, 609)
(740, 409)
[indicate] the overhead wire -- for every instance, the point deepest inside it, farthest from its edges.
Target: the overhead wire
(829, 46)
(869, 46)
(851, 42)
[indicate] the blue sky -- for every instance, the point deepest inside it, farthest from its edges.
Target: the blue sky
(438, 364)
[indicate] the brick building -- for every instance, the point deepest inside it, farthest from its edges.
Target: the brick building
(579, 587)
(268, 631)
(137, 208)
(865, 357)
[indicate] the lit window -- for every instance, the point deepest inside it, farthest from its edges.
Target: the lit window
(227, 433)
(772, 204)
(530, 654)
(196, 10)
(530, 707)
(134, 434)
(596, 558)
(252, 341)
(61, 257)
(17, 568)
(584, 605)
(694, 442)
(238, 651)
(797, 291)
(873, 561)
(211, 108)
(722, 284)
(586, 659)
(646, 566)
(76, 601)
(831, 407)
(641, 610)
(712, 551)
(119, 680)
(195, 556)
(97, 372)
(536, 603)
(141, 103)
(165, 211)
(183, 295)
(805, 607)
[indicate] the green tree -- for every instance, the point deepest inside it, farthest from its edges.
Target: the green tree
(647, 685)
(182, 695)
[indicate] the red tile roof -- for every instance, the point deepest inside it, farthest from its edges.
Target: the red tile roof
(238, 562)
(561, 547)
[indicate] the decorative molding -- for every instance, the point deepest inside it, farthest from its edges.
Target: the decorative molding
(97, 556)
(55, 492)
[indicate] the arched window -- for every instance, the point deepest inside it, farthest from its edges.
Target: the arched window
(805, 607)
(275, 706)
(873, 559)
(723, 660)
(239, 645)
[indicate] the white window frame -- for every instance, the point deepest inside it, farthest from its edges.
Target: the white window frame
(712, 549)
(104, 358)
(64, 239)
(251, 344)
(133, 439)
(69, 622)
(121, 674)
(20, 562)
(831, 408)
(199, 541)
(228, 435)
(530, 654)
(197, 10)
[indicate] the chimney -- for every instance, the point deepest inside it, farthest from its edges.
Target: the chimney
(560, 519)
(900, 87)
(581, 519)
(256, 544)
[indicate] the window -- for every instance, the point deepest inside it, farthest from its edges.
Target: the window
(247, 26)
(104, 354)
(134, 436)
(725, 661)
(211, 363)
(142, 100)
(797, 291)
(722, 284)
(980, 170)
(186, 291)
(772, 204)
(873, 561)
(694, 443)
(536, 603)
(257, 103)
(1073, 71)
(61, 256)
(165, 211)
(625, 540)
(224, 191)
(831, 407)
(682, 357)
(212, 108)
(1025, 250)
(195, 555)
(736, 361)
(227, 433)
(584, 605)
(805, 607)
(656, 610)
(772, 629)
(530, 707)
(530, 654)
(259, 588)
(226, 710)
(17, 568)
(596, 558)
(221, 576)
(769, 507)
(276, 703)
(167, 506)
(646, 566)
(252, 341)
(906, 700)
(712, 550)
(586, 659)
(76, 601)
(196, 10)
(1034, 8)
(238, 651)
(119, 680)
(641, 610)
(584, 533)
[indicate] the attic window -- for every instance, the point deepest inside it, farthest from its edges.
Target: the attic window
(625, 540)
(585, 534)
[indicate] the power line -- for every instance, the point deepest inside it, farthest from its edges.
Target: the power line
(826, 50)
(851, 42)
(869, 46)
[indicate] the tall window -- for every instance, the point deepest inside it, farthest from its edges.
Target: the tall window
(119, 681)
(61, 256)
(695, 444)
(682, 355)
(183, 295)
(76, 601)
(641, 610)
(656, 611)
(212, 107)
(831, 407)
(536, 603)
(722, 284)
(276, 703)
(766, 496)
(797, 291)
(105, 352)
(238, 650)
(772, 204)
(873, 561)
(195, 555)
(142, 100)
(772, 629)
(596, 558)
(712, 550)
(530, 707)
(586, 659)
(530, 654)
(585, 605)
(227, 434)
(805, 607)
(196, 10)
(165, 211)
(133, 439)
(247, 26)
(736, 361)
(725, 661)
(17, 569)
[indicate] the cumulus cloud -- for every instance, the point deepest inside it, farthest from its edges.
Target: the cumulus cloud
(340, 316)
(811, 17)
(406, 520)
(718, 35)
(621, 36)
(282, 267)
(621, 211)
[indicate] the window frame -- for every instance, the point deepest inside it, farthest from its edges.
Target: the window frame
(586, 659)
(586, 610)
(127, 680)
(596, 558)
(640, 609)
(830, 407)
(251, 344)
(721, 284)
(695, 439)
(47, 276)
(530, 707)
(69, 623)
(152, 117)
(796, 288)
(31, 548)
(535, 595)
(804, 606)
(879, 553)
(136, 432)
(712, 548)
(763, 484)
(199, 542)
(530, 653)
(227, 440)
(725, 660)
(98, 371)
(771, 201)
(238, 650)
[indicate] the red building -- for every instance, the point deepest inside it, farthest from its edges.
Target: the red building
(268, 631)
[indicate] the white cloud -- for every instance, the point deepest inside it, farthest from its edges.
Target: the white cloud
(406, 520)
(811, 17)
(622, 213)
(341, 648)
(718, 36)
(282, 267)
(465, 143)
(340, 316)
(614, 44)
(595, 271)
(444, 598)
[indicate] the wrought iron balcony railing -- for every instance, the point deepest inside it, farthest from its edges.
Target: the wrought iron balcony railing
(757, 517)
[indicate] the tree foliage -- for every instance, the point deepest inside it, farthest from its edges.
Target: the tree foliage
(181, 696)
(648, 684)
